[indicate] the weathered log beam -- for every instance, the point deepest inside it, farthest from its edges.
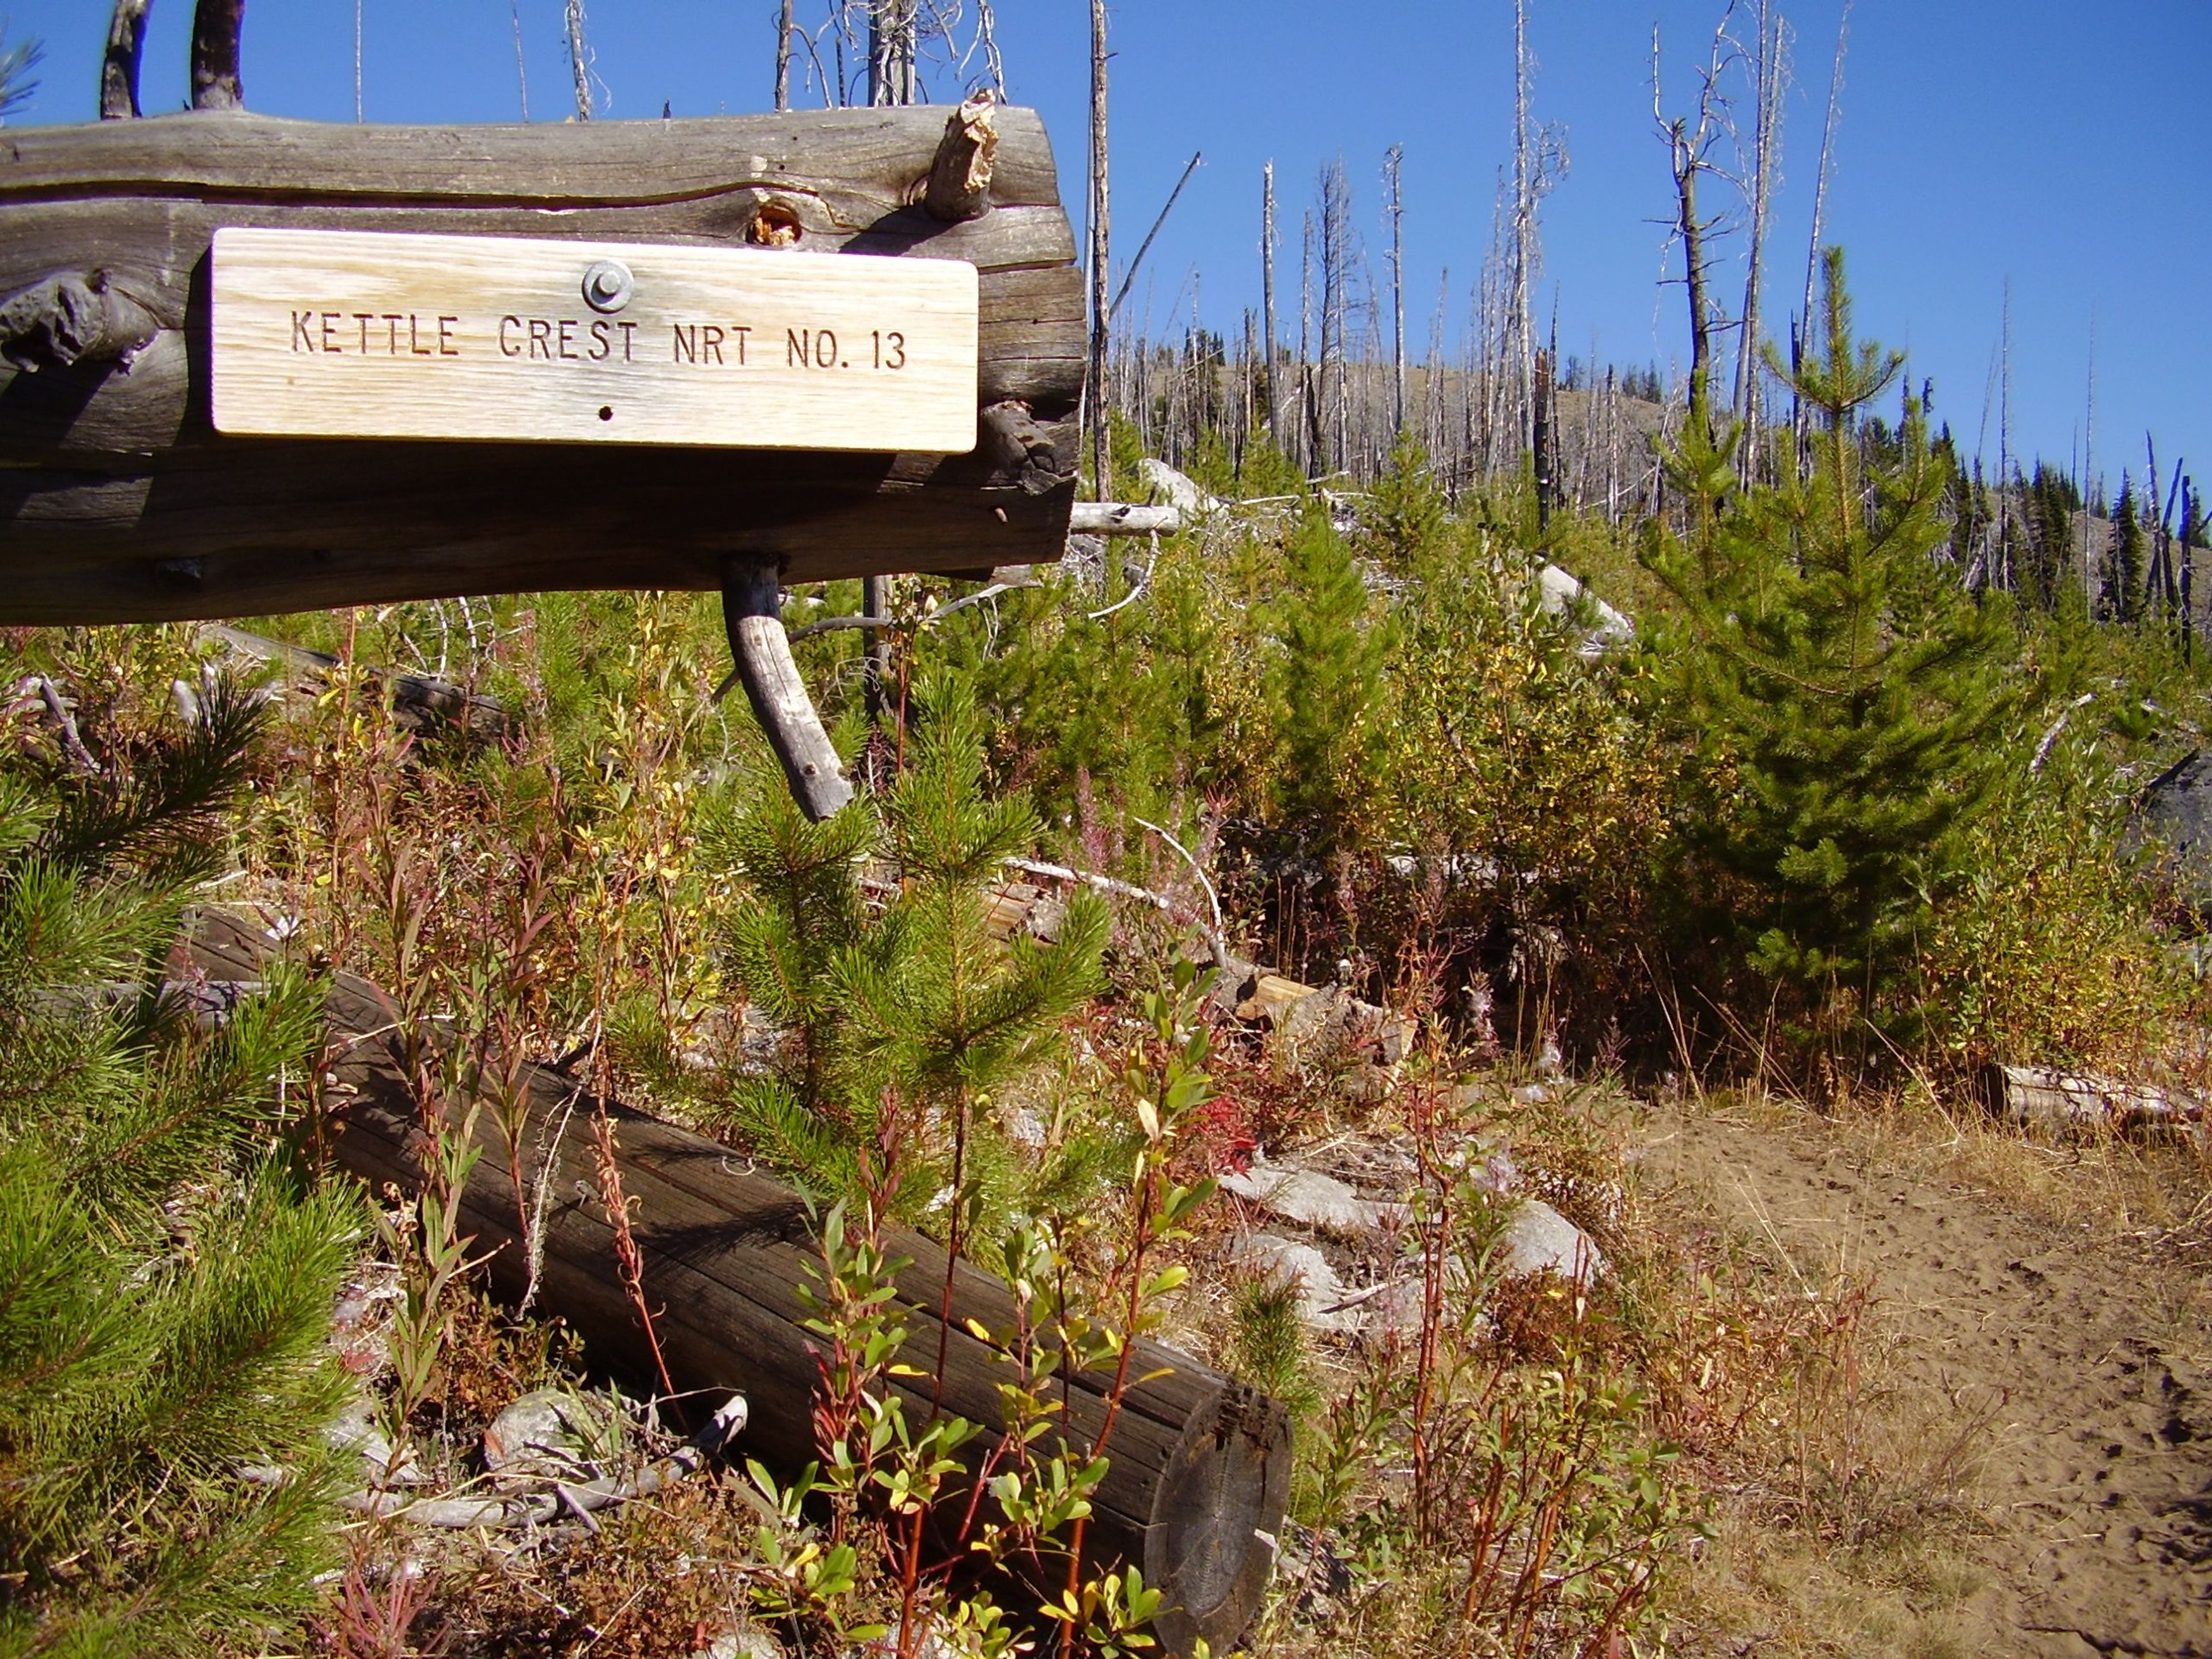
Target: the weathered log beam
(2044, 1095)
(119, 502)
(420, 703)
(1199, 1464)
(752, 613)
(118, 65)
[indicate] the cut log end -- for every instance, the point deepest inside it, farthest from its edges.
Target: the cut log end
(1219, 1504)
(73, 317)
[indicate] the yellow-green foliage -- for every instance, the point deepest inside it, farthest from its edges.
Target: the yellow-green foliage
(2049, 954)
(1506, 747)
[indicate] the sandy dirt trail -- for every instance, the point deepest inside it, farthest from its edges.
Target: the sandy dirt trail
(2086, 1381)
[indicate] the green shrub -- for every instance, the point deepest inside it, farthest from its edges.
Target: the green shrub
(1847, 695)
(165, 1285)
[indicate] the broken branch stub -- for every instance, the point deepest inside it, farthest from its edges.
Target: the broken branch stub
(73, 317)
(752, 613)
(959, 187)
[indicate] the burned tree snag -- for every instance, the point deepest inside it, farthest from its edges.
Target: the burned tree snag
(118, 66)
(216, 26)
(752, 612)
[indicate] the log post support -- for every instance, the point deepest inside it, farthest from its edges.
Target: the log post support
(752, 612)
(118, 66)
(214, 55)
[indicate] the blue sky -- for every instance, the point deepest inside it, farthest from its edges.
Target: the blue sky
(2064, 148)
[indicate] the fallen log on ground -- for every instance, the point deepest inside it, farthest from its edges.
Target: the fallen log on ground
(2040, 1093)
(1199, 1464)
(420, 702)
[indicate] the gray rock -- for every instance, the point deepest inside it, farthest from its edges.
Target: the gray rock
(2174, 821)
(1562, 595)
(550, 1434)
(1494, 1172)
(355, 1429)
(1280, 1260)
(1539, 1239)
(742, 1644)
(1313, 1199)
(1175, 490)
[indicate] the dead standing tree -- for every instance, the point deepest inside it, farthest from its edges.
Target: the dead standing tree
(1098, 401)
(1539, 161)
(1394, 210)
(1271, 400)
(1768, 64)
(1798, 417)
(1690, 148)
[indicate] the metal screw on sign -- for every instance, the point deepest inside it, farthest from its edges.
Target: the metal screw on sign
(608, 285)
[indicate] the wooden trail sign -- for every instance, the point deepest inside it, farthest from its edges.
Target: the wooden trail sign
(123, 498)
(380, 334)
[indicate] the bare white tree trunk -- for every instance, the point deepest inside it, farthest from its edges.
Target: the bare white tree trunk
(892, 52)
(521, 69)
(1336, 253)
(1100, 252)
(1797, 412)
(783, 57)
(1769, 82)
(1394, 207)
(1267, 294)
(578, 62)
(1521, 365)
(2092, 495)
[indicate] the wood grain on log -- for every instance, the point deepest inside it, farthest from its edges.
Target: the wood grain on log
(1199, 1464)
(2056, 1099)
(118, 501)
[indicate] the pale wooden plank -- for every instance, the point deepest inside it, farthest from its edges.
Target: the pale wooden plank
(371, 334)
